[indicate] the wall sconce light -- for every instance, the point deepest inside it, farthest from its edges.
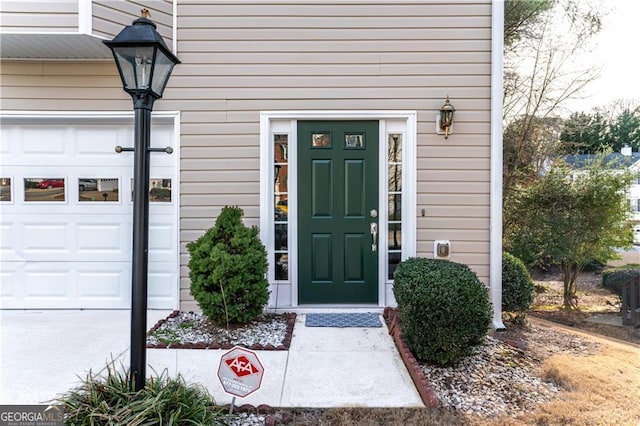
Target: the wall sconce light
(445, 119)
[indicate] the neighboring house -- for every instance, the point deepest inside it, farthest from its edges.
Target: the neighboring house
(628, 160)
(268, 98)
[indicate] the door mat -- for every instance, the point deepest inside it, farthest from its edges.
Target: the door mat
(368, 319)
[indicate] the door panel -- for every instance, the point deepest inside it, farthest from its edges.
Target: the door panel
(354, 188)
(321, 188)
(337, 188)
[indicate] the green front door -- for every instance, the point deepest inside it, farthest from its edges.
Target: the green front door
(337, 212)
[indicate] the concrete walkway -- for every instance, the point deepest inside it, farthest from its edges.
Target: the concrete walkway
(44, 352)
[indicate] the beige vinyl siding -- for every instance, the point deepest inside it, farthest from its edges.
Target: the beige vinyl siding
(110, 16)
(241, 58)
(62, 86)
(38, 16)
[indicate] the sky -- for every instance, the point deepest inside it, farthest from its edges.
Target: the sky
(617, 52)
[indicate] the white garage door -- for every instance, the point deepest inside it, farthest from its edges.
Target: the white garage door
(66, 225)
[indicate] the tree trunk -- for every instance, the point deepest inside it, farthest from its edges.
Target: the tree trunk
(570, 273)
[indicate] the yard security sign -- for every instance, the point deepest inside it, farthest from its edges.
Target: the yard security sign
(240, 372)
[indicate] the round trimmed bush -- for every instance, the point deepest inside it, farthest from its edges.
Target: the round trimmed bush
(443, 307)
(517, 285)
(614, 278)
(227, 270)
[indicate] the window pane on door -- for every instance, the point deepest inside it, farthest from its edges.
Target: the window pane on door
(282, 266)
(5, 189)
(395, 148)
(395, 177)
(395, 236)
(98, 190)
(159, 190)
(44, 189)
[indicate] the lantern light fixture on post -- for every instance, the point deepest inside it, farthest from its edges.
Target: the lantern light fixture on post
(444, 120)
(144, 64)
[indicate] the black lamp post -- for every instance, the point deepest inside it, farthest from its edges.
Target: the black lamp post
(145, 64)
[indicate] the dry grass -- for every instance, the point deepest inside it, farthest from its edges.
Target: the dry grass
(601, 388)
(605, 389)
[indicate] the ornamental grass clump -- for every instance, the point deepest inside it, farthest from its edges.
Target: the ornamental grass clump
(163, 401)
(443, 307)
(227, 269)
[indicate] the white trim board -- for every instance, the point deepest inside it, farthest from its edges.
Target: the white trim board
(495, 227)
(285, 293)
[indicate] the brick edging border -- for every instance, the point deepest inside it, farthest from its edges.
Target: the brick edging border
(256, 347)
(426, 391)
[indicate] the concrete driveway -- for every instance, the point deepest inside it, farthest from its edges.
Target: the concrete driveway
(42, 353)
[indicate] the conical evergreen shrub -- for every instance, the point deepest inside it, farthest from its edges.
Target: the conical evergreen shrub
(227, 269)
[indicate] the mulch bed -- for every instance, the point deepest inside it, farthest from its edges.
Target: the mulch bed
(216, 345)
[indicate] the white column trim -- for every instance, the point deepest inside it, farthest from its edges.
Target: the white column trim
(495, 239)
(174, 22)
(85, 16)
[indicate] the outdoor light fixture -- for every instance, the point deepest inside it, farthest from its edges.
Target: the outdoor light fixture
(143, 59)
(445, 120)
(145, 64)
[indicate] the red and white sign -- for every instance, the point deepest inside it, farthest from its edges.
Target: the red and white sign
(240, 372)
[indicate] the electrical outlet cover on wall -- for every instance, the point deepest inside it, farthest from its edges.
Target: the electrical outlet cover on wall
(442, 249)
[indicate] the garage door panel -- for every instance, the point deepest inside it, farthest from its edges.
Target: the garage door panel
(8, 241)
(48, 281)
(103, 141)
(76, 252)
(162, 242)
(162, 285)
(104, 285)
(44, 140)
(43, 241)
(10, 274)
(102, 241)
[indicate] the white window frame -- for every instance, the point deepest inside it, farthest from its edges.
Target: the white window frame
(285, 293)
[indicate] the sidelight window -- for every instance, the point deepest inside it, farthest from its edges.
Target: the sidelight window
(394, 205)
(281, 207)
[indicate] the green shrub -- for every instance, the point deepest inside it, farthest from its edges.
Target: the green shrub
(517, 285)
(163, 401)
(444, 309)
(613, 278)
(227, 269)
(160, 193)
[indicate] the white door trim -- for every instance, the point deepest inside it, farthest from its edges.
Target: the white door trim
(285, 294)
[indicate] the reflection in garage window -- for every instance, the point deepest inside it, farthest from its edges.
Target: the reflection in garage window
(98, 189)
(44, 189)
(5, 189)
(159, 190)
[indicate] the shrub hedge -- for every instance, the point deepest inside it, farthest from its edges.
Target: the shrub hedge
(517, 285)
(444, 309)
(613, 278)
